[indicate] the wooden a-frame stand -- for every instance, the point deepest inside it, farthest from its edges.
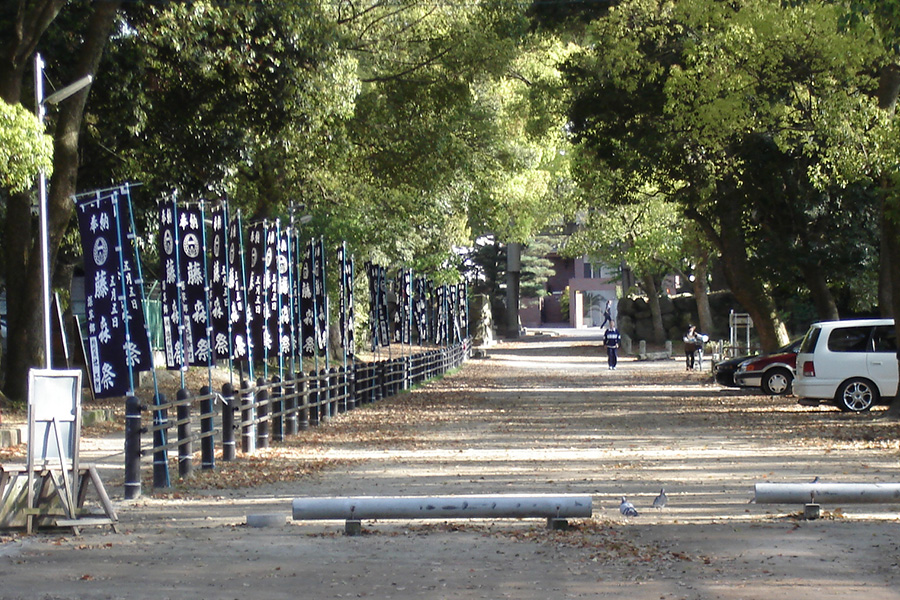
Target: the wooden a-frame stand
(55, 479)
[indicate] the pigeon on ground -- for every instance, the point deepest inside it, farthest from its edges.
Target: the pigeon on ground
(660, 501)
(627, 508)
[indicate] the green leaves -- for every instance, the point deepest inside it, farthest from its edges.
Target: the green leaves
(25, 150)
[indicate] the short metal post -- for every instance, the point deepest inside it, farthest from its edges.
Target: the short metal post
(132, 448)
(207, 428)
(183, 414)
(262, 414)
(248, 418)
(229, 449)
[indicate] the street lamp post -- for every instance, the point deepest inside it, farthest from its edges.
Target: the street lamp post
(40, 101)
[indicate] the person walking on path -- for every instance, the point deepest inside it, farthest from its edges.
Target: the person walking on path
(607, 314)
(611, 339)
(692, 343)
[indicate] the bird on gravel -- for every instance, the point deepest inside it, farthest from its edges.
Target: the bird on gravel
(627, 508)
(660, 501)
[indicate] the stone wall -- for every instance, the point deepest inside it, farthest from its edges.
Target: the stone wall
(634, 320)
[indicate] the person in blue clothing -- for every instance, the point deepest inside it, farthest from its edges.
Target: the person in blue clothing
(611, 338)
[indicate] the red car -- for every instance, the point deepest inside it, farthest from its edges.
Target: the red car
(774, 372)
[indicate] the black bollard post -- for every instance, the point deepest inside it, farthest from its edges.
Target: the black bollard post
(207, 429)
(407, 373)
(333, 391)
(303, 394)
(277, 413)
(248, 423)
(132, 448)
(229, 450)
(290, 408)
(350, 374)
(262, 414)
(314, 399)
(183, 415)
(160, 439)
(343, 390)
(380, 381)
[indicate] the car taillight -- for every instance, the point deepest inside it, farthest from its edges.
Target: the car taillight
(809, 369)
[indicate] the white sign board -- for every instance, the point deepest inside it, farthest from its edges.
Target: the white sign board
(54, 418)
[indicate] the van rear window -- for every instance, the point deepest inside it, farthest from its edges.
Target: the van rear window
(849, 339)
(810, 339)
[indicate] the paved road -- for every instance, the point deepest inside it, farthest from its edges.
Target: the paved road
(539, 415)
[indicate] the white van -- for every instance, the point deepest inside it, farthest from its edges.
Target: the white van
(851, 363)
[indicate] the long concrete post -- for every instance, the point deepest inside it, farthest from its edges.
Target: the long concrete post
(822, 493)
(442, 507)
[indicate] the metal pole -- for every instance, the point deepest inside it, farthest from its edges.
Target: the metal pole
(42, 215)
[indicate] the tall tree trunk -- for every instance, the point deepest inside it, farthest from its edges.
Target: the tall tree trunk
(701, 296)
(743, 280)
(24, 259)
(650, 287)
(885, 284)
(823, 299)
(888, 92)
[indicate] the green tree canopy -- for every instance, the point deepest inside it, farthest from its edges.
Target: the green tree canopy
(25, 149)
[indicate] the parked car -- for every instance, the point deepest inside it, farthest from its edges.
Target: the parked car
(851, 363)
(725, 370)
(772, 372)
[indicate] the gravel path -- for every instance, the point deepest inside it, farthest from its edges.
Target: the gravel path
(540, 415)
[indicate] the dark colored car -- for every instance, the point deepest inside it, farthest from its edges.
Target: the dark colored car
(724, 370)
(772, 372)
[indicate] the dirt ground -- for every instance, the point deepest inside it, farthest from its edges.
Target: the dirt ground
(540, 415)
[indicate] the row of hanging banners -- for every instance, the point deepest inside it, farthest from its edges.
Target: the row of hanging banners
(226, 300)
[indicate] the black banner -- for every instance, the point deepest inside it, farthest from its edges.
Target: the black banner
(346, 303)
(313, 299)
(192, 263)
(117, 333)
(462, 310)
(308, 308)
(283, 267)
(237, 295)
(218, 283)
(321, 298)
(171, 296)
(404, 309)
(261, 290)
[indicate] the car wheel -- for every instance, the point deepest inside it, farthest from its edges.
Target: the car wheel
(777, 382)
(857, 395)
